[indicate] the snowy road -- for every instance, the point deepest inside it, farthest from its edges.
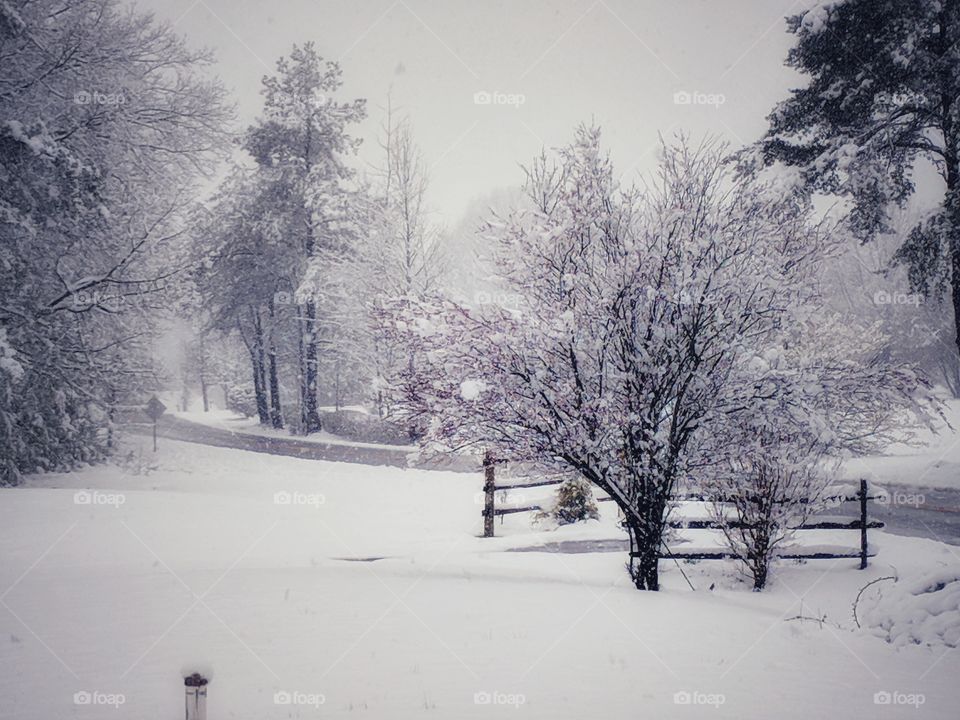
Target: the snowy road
(175, 428)
(927, 513)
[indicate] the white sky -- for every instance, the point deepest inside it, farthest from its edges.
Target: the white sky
(615, 62)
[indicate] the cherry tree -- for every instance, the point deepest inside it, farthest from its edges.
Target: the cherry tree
(638, 312)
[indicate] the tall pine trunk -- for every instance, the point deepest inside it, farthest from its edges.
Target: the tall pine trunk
(259, 375)
(951, 150)
(311, 418)
(953, 212)
(276, 410)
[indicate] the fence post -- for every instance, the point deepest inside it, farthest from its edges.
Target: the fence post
(489, 488)
(863, 523)
(195, 688)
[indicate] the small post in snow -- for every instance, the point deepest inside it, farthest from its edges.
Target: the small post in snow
(863, 523)
(489, 488)
(195, 688)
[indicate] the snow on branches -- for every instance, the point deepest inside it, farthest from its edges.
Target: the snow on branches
(648, 322)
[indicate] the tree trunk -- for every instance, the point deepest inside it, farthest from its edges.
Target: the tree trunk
(952, 202)
(336, 390)
(204, 391)
(644, 556)
(758, 560)
(953, 213)
(311, 418)
(276, 411)
(262, 413)
(955, 271)
(259, 376)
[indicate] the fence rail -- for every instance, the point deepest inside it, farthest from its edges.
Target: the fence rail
(863, 523)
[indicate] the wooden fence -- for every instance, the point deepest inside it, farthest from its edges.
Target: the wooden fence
(863, 523)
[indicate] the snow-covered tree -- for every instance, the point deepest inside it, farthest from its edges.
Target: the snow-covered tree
(865, 286)
(106, 117)
(881, 101)
(635, 309)
(245, 272)
(820, 388)
(394, 253)
(300, 146)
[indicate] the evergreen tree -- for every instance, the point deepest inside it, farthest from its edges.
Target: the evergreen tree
(881, 99)
(300, 146)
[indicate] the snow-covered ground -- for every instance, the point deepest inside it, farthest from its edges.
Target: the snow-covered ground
(317, 589)
(934, 461)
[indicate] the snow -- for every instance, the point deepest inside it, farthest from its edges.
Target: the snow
(471, 390)
(382, 601)
(924, 610)
(240, 425)
(816, 19)
(8, 360)
(40, 144)
(934, 462)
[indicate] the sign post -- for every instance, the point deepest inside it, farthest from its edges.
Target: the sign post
(155, 410)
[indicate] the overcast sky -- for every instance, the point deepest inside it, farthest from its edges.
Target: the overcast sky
(619, 63)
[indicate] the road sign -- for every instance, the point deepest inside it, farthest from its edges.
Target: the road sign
(154, 410)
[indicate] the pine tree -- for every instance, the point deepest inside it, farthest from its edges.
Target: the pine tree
(300, 146)
(881, 99)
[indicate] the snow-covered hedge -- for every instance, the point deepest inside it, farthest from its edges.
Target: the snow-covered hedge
(921, 611)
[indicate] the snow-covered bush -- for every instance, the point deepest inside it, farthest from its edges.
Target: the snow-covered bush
(574, 502)
(770, 487)
(821, 390)
(364, 427)
(921, 611)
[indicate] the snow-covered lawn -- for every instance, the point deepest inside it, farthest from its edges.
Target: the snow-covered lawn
(369, 589)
